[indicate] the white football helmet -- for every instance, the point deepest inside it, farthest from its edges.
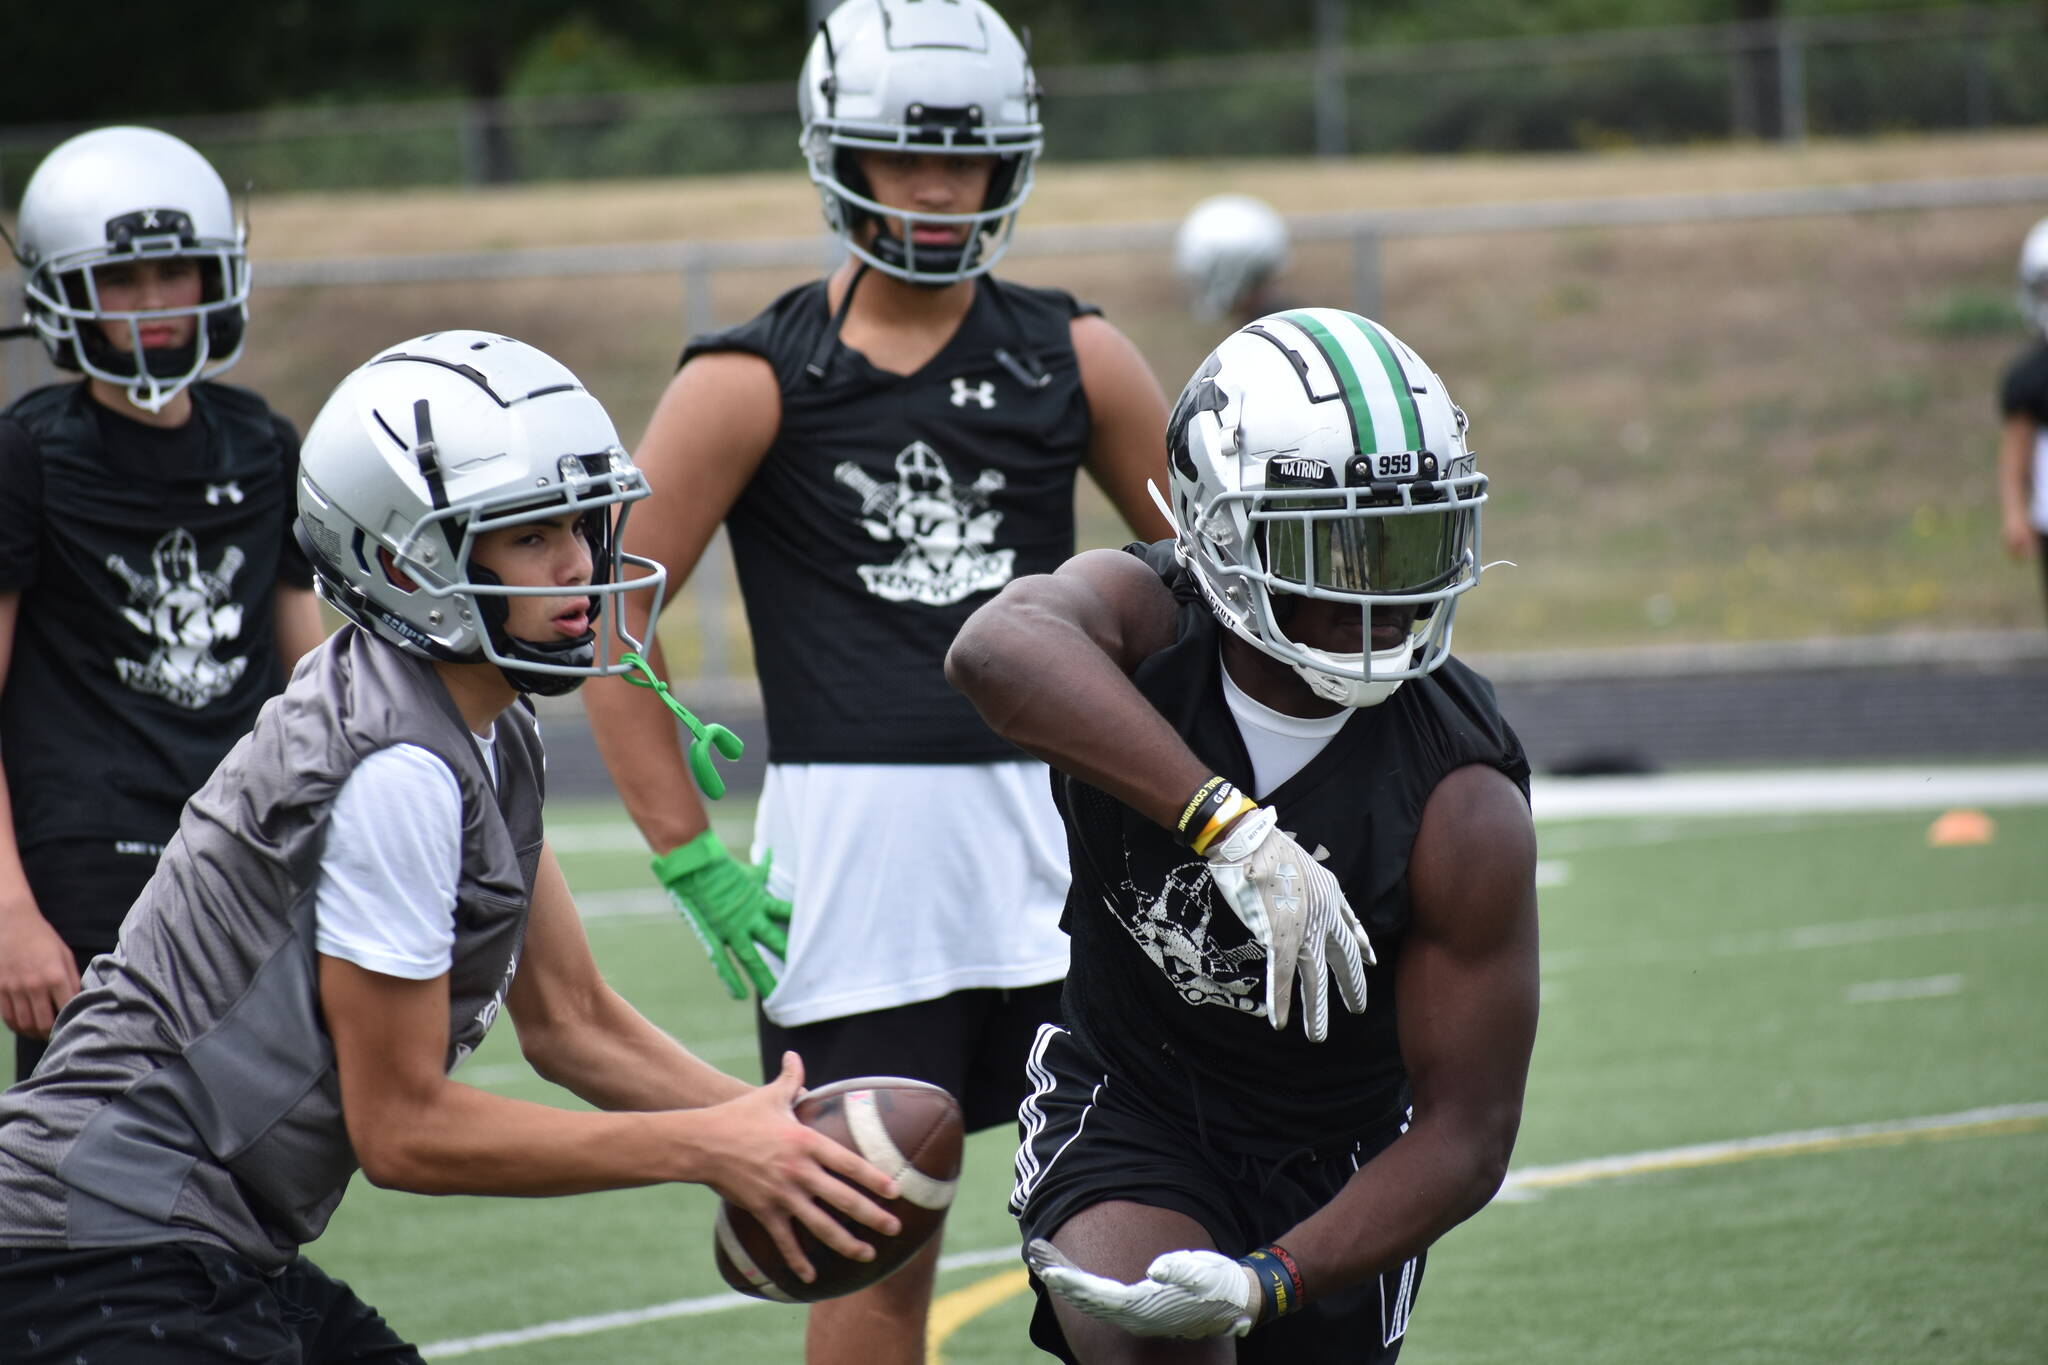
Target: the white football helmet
(1314, 454)
(1227, 246)
(434, 442)
(926, 76)
(118, 195)
(2033, 292)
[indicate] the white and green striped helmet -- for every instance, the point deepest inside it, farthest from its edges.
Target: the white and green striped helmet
(1314, 454)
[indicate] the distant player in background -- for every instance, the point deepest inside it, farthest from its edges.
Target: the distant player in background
(1231, 252)
(887, 447)
(151, 596)
(2023, 404)
(351, 901)
(1275, 781)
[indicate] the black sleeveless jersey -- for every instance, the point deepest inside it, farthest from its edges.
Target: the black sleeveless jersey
(889, 508)
(1167, 986)
(145, 642)
(2024, 391)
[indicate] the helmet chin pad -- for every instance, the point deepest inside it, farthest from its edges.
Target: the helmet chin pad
(579, 651)
(1350, 691)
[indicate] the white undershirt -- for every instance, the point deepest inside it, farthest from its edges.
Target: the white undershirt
(385, 899)
(1280, 745)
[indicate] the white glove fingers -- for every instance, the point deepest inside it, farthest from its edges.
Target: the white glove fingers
(1315, 992)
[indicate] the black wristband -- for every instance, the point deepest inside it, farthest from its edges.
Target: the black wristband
(1279, 1281)
(1209, 798)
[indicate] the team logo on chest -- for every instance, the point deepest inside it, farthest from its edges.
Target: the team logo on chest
(184, 611)
(1174, 927)
(944, 531)
(983, 393)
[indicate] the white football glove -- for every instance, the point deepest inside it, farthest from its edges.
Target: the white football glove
(1183, 1294)
(1294, 907)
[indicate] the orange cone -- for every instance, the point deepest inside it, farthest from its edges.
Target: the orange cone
(1961, 829)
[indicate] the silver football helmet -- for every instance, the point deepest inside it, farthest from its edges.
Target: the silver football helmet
(1227, 246)
(1314, 455)
(118, 195)
(436, 441)
(924, 76)
(2033, 290)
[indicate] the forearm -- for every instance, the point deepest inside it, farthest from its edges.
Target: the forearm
(1433, 1177)
(618, 1060)
(461, 1140)
(1043, 684)
(2015, 469)
(300, 629)
(637, 738)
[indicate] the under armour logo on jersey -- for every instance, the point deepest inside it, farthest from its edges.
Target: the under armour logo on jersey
(983, 393)
(217, 493)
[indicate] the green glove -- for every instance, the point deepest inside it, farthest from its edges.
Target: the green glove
(728, 907)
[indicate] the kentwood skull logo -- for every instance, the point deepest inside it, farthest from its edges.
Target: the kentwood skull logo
(983, 393)
(1208, 959)
(945, 530)
(184, 611)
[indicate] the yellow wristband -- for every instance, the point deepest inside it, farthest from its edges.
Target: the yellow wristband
(1202, 794)
(1238, 804)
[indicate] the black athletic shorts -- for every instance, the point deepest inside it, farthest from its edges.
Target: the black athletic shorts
(182, 1303)
(971, 1042)
(1085, 1140)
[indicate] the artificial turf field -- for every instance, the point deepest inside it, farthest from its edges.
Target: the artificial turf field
(1809, 981)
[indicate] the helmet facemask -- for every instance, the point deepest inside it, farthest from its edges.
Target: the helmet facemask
(1282, 494)
(921, 80)
(65, 308)
(1401, 553)
(600, 486)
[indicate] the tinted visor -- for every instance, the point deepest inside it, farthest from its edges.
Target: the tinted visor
(1385, 551)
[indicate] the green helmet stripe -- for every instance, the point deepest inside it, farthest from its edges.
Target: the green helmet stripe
(1411, 420)
(1347, 378)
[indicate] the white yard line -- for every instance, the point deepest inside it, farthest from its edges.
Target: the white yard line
(1919, 988)
(1799, 791)
(1521, 1185)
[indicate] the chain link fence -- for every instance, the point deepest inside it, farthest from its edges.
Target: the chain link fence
(1967, 67)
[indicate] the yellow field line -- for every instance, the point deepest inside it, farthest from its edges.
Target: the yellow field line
(952, 1311)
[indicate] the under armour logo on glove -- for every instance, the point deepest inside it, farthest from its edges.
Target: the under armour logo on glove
(983, 393)
(217, 493)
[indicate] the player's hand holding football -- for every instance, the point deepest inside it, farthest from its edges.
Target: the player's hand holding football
(727, 905)
(1295, 908)
(1183, 1294)
(756, 1153)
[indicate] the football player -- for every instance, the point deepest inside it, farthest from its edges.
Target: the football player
(1278, 787)
(2023, 404)
(887, 447)
(352, 898)
(151, 597)
(1230, 252)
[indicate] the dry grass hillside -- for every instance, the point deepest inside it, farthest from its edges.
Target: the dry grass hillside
(1715, 431)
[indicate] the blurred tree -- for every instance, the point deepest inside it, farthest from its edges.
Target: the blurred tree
(157, 61)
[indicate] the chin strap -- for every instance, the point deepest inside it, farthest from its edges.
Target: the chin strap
(705, 737)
